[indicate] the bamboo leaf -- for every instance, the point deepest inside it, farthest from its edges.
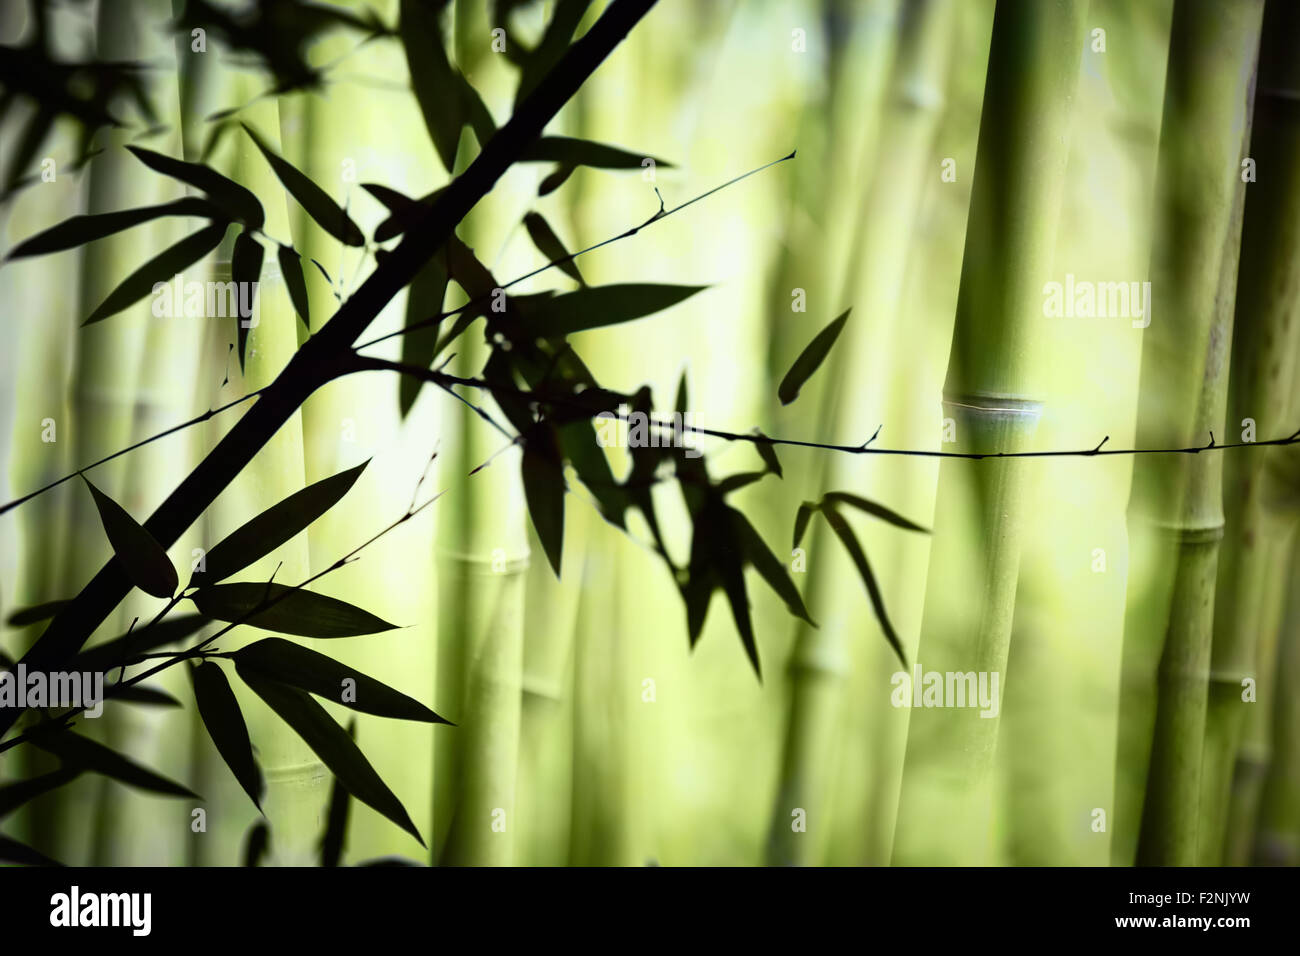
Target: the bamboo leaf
(543, 475)
(325, 211)
(291, 269)
(555, 179)
(336, 818)
(725, 554)
(219, 710)
(14, 795)
(809, 360)
(735, 482)
(79, 230)
(767, 452)
(600, 306)
(580, 152)
(859, 557)
(771, 568)
(257, 843)
(85, 754)
(871, 508)
(279, 660)
(139, 553)
(246, 271)
(423, 301)
(37, 612)
(148, 696)
(565, 19)
(229, 195)
(121, 650)
(293, 611)
(161, 268)
(11, 851)
(549, 245)
(433, 78)
(806, 511)
(332, 744)
(261, 535)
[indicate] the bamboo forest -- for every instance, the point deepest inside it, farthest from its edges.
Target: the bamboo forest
(695, 433)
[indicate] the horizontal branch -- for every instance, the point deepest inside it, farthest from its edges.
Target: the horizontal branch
(364, 363)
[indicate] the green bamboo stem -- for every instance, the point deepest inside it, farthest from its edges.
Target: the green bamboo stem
(992, 393)
(1272, 794)
(1175, 510)
(820, 661)
(40, 391)
(164, 395)
(107, 366)
(1266, 344)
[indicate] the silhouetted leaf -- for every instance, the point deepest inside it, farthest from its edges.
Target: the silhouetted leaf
(143, 558)
(390, 861)
(336, 818)
(332, 744)
(423, 302)
(294, 610)
(846, 535)
(599, 306)
(85, 754)
(14, 795)
(404, 215)
(767, 564)
(736, 482)
(543, 473)
(549, 245)
(809, 360)
(581, 152)
(391, 198)
(34, 134)
(871, 508)
(261, 535)
(767, 452)
(291, 269)
(555, 41)
(555, 179)
(148, 696)
(104, 657)
(37, 612)
(806, 511)
(727, 557)
(11, 851)
(277, 659)
(79, 230)
(229, 195)
(324, 210)
(257, 843)
(219, 710)
(245, 270)
(161, 268)
(434, 79)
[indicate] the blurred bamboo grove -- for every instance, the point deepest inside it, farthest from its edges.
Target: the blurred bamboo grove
(467, 612)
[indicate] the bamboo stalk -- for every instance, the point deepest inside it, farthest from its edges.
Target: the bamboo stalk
(1175, 510)
(107, 366)
(164, 394)
(991, 392)
(1265, 347)
(820, 660)
(1275, 825)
